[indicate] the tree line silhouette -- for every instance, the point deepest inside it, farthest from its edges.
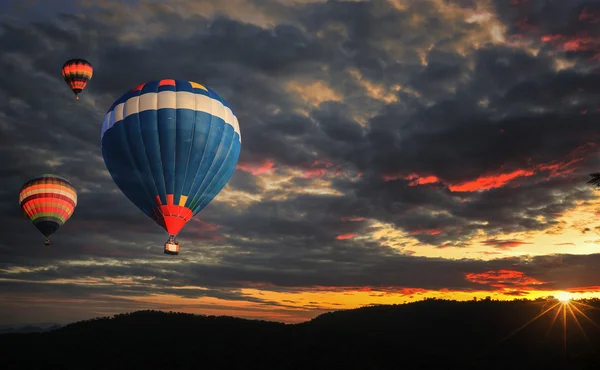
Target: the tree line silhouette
(429, 334)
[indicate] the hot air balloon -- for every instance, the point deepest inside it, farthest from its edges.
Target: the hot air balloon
(170, 146)
(48, 201)
(77, 73)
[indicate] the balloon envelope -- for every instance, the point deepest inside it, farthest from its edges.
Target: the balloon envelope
(170, 146)
(77, 73)
(48, 201)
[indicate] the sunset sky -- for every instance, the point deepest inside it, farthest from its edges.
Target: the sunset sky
(391, 151)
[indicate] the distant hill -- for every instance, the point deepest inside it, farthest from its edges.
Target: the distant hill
(27, 328)
(431, 334)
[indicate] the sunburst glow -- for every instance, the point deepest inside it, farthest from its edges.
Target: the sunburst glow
(564, 297)
(558, 311)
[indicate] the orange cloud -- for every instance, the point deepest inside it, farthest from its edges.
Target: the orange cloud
(497, 180)
(556, 168)
(503, 279)
(256, 169)
(423, 180)
(560, 168)
(504, 244)
(550, 38)
(426, 231)
(316, 172)
(409, 291)
(586, 289)
(564, 243)
(416, 179)
(320, 167)
(489, 182)
(345, 236)
(578, 42)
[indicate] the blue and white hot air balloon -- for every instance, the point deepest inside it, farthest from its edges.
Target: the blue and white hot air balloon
(170, 146)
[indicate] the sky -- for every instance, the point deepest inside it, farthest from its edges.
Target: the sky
(392, 150)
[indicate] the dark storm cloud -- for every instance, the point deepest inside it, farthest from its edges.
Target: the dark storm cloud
(78, 290)
(351, 268)
(566, 27)
(484, 112)
(545, 16)
(457, 141)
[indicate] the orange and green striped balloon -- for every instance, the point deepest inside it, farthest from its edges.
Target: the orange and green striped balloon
(77, 73)
(48, 201)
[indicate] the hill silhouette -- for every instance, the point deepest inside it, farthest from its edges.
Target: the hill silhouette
(27, 328)
(430, 334)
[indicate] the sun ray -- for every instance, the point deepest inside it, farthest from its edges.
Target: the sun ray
(585, 305)
(552, 322)
(584, 315)
(562, 302)
(569, 306)
(519, 329)
(565, 330)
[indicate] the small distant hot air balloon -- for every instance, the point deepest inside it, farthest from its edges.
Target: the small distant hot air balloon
(170, 146)
(48, 201)
(77, 73)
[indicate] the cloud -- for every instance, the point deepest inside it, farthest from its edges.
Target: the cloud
(504, 244)
(503, 279)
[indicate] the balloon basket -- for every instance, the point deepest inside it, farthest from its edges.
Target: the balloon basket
(172, 246)
(46, 241)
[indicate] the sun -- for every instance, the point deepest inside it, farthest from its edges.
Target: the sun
(564, 297)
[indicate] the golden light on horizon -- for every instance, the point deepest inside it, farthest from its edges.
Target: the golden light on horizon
(564, 297)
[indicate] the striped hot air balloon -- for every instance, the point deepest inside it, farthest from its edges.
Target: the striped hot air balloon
(170, 146)
(48, 201)
(77, 73)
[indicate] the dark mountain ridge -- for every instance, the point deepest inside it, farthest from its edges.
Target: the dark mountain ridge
(28, 328)
(430, 334)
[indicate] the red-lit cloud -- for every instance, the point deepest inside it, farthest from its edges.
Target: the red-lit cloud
(556, 168)
(426, 231)
(579, 42)
(345, 236)
(489, 182)
(409, 291)
(320, 167)
(415, 179)
(265, 166)
(503, 279)
(587, 289)
(504, 244)
(497, 180)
